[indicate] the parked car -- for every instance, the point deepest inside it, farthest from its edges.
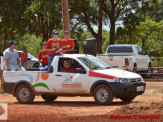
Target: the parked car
(129, 57)
(32, 61)
(93, 77)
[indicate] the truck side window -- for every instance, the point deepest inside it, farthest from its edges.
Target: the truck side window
(137, 49)
(68, 65)
(141, 50)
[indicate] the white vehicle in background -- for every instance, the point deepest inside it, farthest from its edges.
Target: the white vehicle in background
(129, 57)
(32, 61)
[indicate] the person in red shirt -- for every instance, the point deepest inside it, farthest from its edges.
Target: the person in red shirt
(43, 58)
(24, 58)
(67, 43)
(67, 67)
(53, 46)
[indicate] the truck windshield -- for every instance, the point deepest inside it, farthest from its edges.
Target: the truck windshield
(94, 63)
(120, 49)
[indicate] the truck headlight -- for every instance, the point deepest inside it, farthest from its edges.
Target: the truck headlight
(121, 80)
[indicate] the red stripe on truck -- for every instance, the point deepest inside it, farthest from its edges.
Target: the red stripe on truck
(100, 75)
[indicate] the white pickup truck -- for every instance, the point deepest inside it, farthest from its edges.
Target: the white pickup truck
(128, 57)
(93, 77)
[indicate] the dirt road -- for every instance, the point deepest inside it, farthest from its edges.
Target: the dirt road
(147, 107)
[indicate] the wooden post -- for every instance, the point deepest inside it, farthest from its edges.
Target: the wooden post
(65, 16)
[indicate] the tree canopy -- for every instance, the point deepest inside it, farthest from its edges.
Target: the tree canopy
(127, 21)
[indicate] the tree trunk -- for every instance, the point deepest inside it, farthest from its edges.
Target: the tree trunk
(143, 43)
(133, 36)
(112, 30)
(99, 38)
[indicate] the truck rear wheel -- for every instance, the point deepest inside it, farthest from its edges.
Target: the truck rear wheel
(128, 98)
(49, 98)
(24, 94)
(103, 95)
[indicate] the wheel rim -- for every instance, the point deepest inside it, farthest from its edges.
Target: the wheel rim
(149, 72)
(102, 95)
(24, 94)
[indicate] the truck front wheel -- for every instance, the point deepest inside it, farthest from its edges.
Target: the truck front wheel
(49, 98)
(103, 95)
(127, 99)
(24, 94)
(149, 72)
(134, 68)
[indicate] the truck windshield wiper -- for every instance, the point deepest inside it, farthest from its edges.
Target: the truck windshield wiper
(107, 67)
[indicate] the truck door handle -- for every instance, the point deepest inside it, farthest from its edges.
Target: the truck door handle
(58, 75)
(111, 59)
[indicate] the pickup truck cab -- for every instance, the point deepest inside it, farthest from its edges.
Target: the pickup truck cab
(129, 57)
(93, 77)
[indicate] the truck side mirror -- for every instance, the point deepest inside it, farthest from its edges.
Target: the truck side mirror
(146, 53)
(80, 70)
(29, 59)
(140, 53)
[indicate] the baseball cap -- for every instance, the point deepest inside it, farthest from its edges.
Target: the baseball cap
(66, 31)
(54, 32)
(11, 42)
(24, 48)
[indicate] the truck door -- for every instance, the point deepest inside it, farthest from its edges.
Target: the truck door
(67, 81)
(141, 60)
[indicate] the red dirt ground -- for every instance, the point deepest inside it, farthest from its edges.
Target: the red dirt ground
(146, 107)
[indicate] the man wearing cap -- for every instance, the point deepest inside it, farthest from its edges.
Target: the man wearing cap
(53, 46)
(11, 56)
(67, 43)
(43, 58)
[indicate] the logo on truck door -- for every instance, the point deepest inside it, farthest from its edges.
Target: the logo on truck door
(67, 83)
(44, 76)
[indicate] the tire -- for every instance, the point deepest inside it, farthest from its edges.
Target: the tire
(36, 65)
(134, 68)
(149, 72)
(49, 98)
(24, 94)
(127, 99)
(103, 95)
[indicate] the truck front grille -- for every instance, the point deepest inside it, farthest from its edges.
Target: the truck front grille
(135, 80)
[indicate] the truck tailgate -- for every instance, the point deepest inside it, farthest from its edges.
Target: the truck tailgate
(114, 61)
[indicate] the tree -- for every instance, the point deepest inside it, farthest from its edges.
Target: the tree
(149, 29)
(116, 9)
(12, 20)
(84, 13)
(44, 16)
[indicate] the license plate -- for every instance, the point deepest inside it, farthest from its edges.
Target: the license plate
(140, 88)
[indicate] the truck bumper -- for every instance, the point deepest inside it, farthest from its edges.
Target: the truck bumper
(129, 89)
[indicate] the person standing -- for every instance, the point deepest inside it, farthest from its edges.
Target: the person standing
(53, 46)
(11, 57)
(43, 58)
(67, 43)
(24, 58)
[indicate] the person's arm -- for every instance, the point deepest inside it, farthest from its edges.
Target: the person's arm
(7, 65)
(53, 49)
(71, 49)
(40, 63)
(6, 57)
(39, 58)
(19, 63)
